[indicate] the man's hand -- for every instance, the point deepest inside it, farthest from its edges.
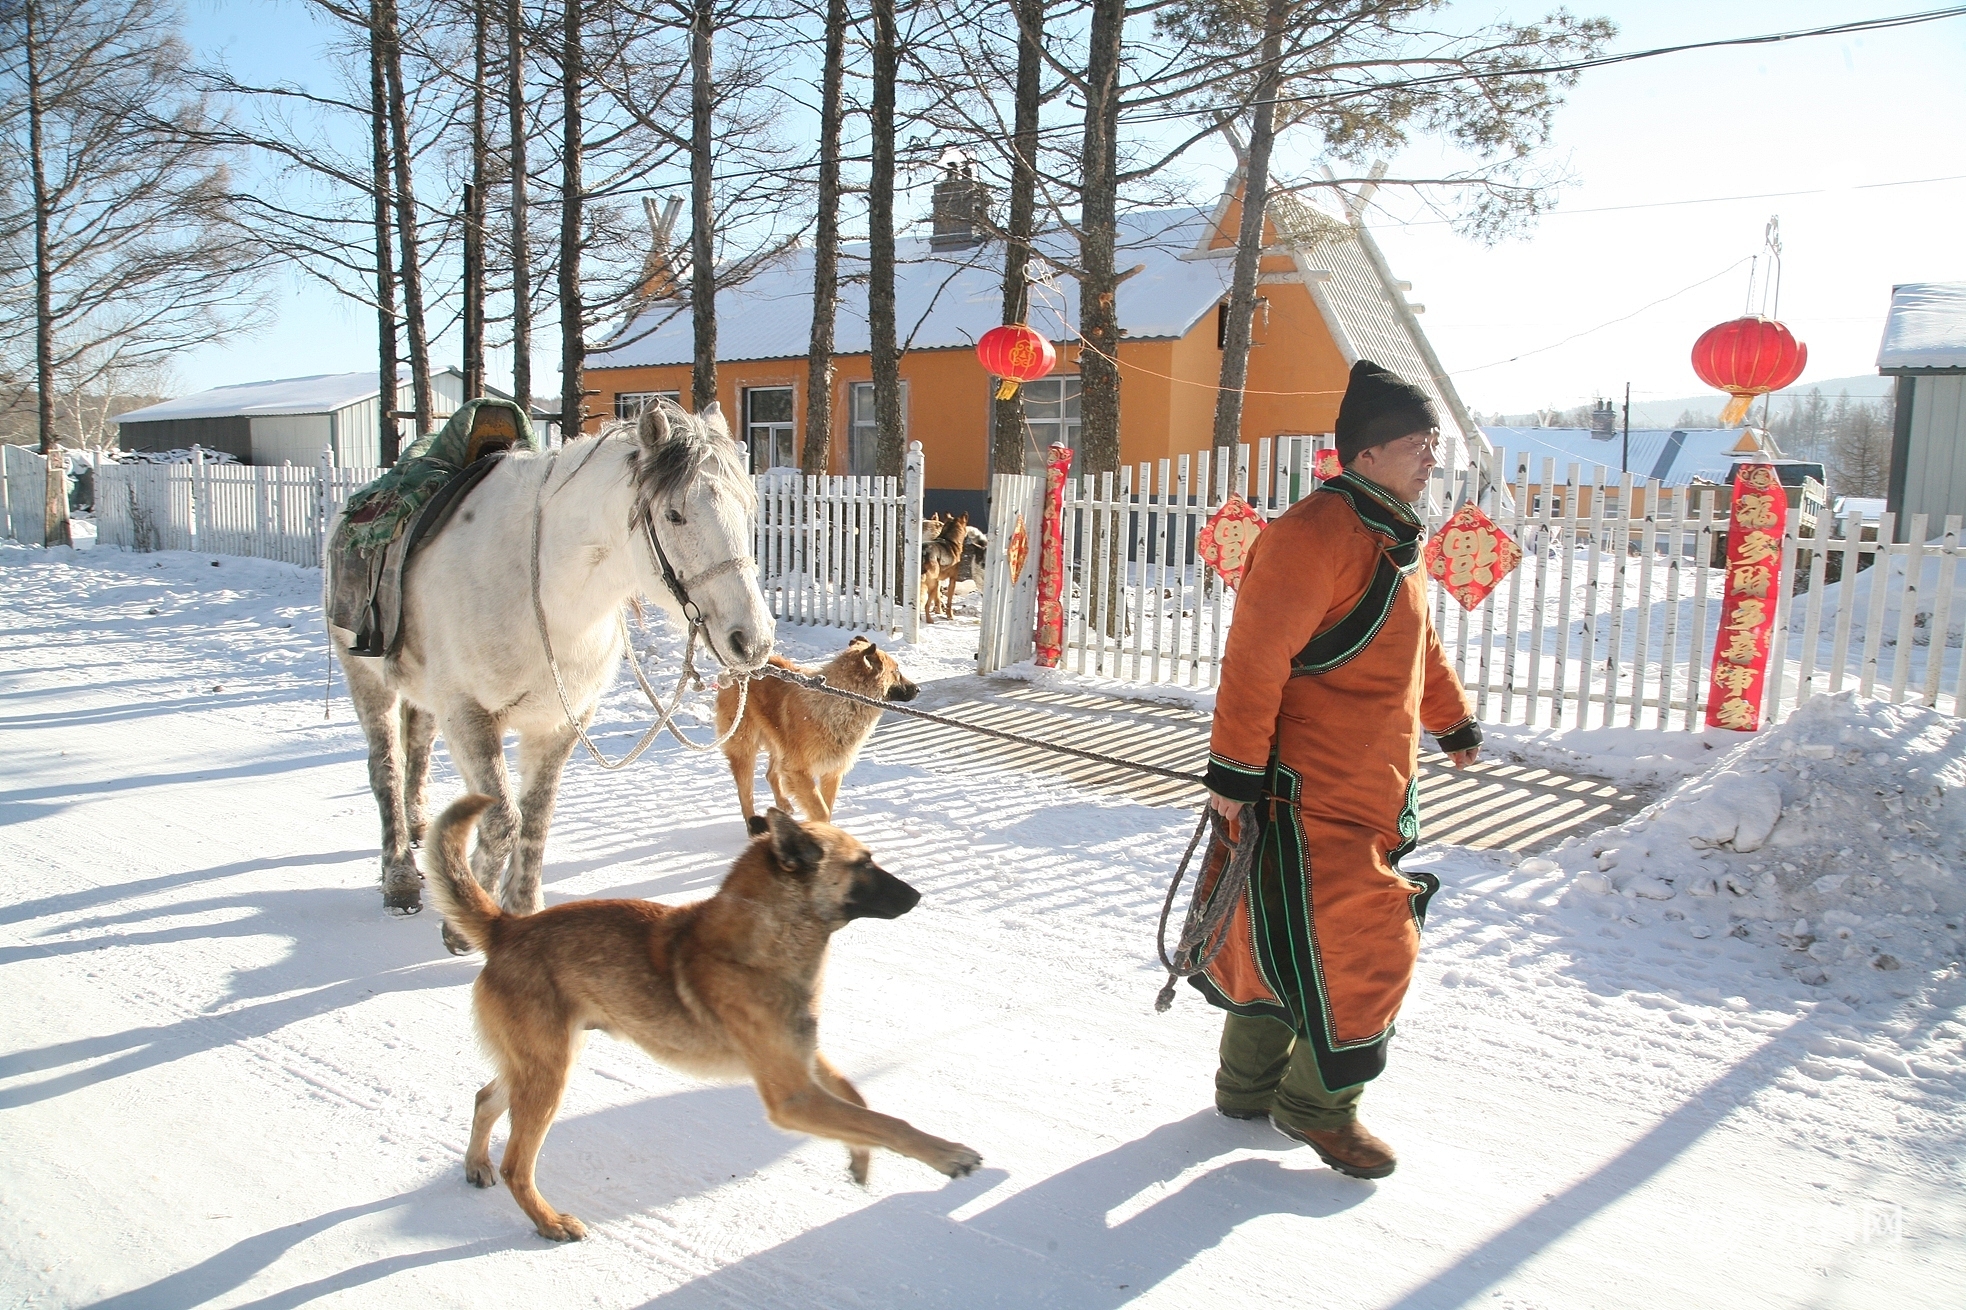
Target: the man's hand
(1462, 759)
(1225, 807)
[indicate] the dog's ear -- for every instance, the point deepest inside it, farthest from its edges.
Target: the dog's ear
(793, 848)
(872, 655)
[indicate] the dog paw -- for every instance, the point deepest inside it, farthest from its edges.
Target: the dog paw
(858, 1160)
(958, 1161)
(481, 1175)
(568, 1229)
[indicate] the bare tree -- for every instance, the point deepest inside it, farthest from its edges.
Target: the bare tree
(1860, 446)
(816, 456)
(132, 257)
(1007, 436)
(519, 235)
(883, 345)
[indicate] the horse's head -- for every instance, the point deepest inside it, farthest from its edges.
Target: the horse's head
(694, 505)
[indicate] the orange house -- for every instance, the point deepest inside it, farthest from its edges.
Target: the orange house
(1325, 302)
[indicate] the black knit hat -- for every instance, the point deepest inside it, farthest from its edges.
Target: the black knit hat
(1379, 406)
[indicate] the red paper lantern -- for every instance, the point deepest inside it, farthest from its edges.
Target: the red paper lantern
(1747, 357)
(1016, 354)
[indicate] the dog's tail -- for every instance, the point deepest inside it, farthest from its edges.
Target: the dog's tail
(466, 906)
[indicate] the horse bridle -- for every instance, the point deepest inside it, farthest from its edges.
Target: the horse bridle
(679, 586)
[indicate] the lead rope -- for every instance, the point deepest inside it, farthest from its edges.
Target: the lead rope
(1204, 931)
(664, 716)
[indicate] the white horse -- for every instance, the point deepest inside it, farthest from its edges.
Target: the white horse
(473, 661)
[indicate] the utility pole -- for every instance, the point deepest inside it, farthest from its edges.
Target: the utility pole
(1625, 456)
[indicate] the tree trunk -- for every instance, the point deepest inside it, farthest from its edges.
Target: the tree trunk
(515, 103)
(1249, 240)
(474, 216)
(573, 350)
(388, 434)
(410, 264)
(702, 249)
(54, 524)
(880, 249)
(816, 456)
(1099, 327)
(1007, 454)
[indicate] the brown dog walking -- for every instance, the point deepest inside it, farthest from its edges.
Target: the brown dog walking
(809, 739)
(725, 987)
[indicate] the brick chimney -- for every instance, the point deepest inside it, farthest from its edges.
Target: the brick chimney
(959, 201)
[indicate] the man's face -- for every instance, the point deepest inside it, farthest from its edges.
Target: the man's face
(1402, 466)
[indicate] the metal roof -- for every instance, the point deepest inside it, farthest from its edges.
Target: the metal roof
(321, 394)
(943, 299)
(1675, 456)
(1926, 327)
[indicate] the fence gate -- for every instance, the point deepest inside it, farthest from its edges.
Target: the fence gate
(846, 552)
(1010, 601)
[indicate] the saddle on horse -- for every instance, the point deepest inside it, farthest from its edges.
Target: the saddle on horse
(387, 520)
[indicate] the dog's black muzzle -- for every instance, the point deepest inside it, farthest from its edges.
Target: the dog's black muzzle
(878, 894)
(903, 691)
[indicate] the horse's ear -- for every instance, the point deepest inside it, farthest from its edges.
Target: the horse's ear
(712, 415)
(654, 427)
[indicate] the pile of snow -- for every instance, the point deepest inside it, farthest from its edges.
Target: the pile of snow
(1835, 838)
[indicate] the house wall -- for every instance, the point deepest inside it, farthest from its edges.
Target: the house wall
(290, 438)
(1935, 465)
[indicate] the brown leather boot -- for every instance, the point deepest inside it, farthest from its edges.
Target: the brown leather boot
(1351, 1150)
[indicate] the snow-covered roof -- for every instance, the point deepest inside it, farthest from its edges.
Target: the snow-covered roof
(1926, 327)
(1675, 456)
(321, 394)
(942, 298)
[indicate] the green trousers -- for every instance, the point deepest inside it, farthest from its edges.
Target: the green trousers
(1265, 1067)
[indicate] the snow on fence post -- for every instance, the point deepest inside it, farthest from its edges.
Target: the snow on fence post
(911, 547)
(323, 491)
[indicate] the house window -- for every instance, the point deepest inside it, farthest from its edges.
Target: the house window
(630, 404)
(1051, 416)
(768, 427)
(864, 438)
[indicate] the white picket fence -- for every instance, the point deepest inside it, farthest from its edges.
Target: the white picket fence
(23, 492)
(845, 552)
(280, 512)
(838, 551)
(1610, 620)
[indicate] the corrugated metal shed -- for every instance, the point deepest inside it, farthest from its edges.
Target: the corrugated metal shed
(285, 420)
(1925, 346)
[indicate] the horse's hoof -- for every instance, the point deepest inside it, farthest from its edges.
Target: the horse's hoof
(402, 892)
(455, 944)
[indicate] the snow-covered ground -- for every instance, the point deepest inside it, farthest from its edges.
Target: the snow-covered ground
(227, 1079)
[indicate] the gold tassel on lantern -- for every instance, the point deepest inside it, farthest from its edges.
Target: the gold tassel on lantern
(1007, 389)
(1737, 409)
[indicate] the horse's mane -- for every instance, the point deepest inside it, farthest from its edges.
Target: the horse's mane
(667, 466)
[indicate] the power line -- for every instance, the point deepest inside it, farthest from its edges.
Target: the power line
(1524, 354)
(1704, 200)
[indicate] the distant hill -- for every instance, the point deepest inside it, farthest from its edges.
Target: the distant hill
(1665, 413)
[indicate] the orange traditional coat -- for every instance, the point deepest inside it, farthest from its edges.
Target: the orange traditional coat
(1332, 669)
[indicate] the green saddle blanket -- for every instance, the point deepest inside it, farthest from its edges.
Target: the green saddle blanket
(372, 545)
(377, 514)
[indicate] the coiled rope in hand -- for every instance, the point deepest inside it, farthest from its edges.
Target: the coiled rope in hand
(1206, 928)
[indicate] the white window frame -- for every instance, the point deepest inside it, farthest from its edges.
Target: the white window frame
(863, 435)
(771, 438)
(630, 404)
(1039, 435)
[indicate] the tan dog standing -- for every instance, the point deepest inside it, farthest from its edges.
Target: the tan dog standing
(725, 987)
(941, 556)
(810, 739)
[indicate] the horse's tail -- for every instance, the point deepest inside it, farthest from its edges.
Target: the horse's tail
(466, 906)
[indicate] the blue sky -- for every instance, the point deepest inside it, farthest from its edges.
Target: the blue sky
(1830, 117)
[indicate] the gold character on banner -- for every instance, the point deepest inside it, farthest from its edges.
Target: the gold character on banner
(1742, 648)
(1758, 548)
(1736, 678)
(1755, 511)
(1737, 714)
(1751, 580)
(1748, 616)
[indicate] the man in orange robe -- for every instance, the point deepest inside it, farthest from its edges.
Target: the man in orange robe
(1332, 669)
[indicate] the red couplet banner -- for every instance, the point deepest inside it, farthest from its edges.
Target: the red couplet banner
(1747, 608)
(1051, 560)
